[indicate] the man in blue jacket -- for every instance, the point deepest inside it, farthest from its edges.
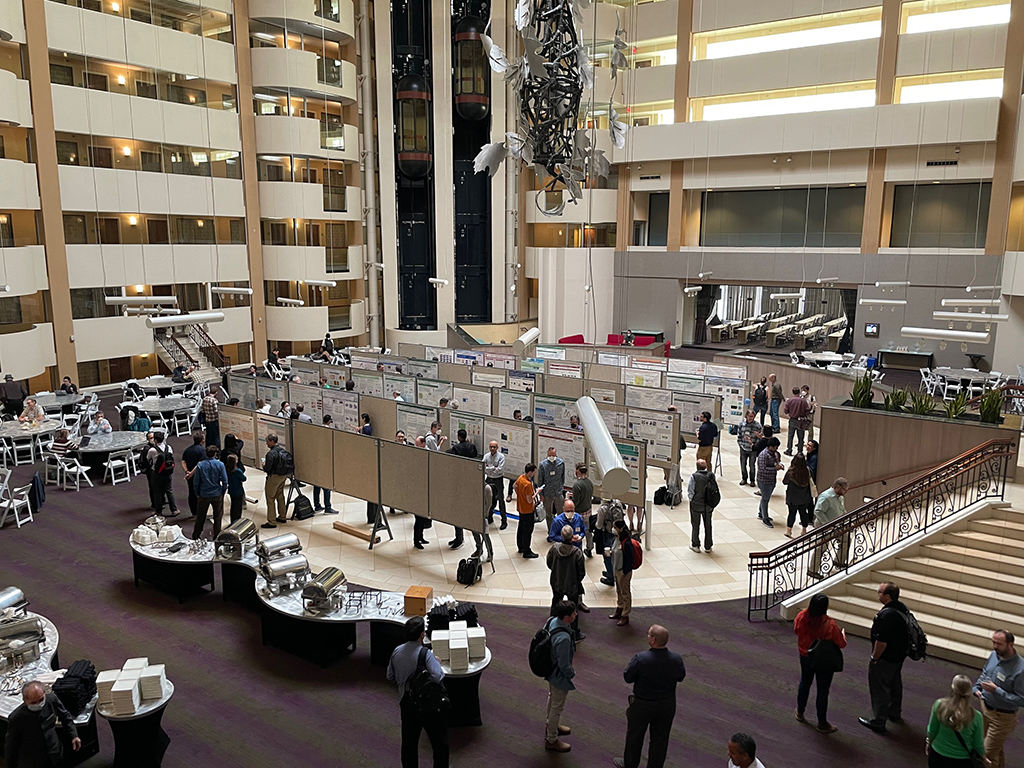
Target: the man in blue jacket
(563, 648)
(210, 479)
(574, 521)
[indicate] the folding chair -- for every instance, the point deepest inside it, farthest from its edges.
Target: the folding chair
(15, 501)
(51, 469)
(24, 445)
(118, 468)
(72, 469)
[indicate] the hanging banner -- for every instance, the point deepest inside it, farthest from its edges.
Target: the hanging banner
(343, 408)
(638, 377)
(571, 448)
(474, 426)
(244, 388)
(439, 354)
(368, 383)
(611, 358)
(509, 402)
(681, 382)
(550, 353)
(733, 392)
(553, 411)
(415, 420)
(469, 357)
(311, 399)
(334, 375)
(404, 385)
(536, 364)
(485, 378)
(649, 398)
(516, 442)
(650, 363)
(431, 392)
(523, 381)
(421, 369)
(691, 367)
(493, 360)
(565, 370)
(726, 371)
(472, 400)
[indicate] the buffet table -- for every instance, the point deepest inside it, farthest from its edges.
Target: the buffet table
(181, 573)
(139, 739)
(238, 579)
(464, 691)
(12, 679)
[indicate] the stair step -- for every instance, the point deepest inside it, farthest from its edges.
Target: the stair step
(1009, 529)
(947, 584)
(967, 574)
(986, 541)
(996, 562)
(945, 604)
(939, 647)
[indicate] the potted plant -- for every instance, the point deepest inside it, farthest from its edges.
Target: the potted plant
(862, 394)
(895, 400)
(921, 403)
(991, 406)
(956, 407)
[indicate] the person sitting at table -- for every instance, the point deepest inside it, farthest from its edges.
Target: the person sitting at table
(321, 356)
(193, 375)
(63, 444)
(13, 395)
(68, 387)
(99, 425)
(32, 412)
(178, 374)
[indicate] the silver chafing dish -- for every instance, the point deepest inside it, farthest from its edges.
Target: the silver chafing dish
(233, 540)
(14, 599)
(21, 640)
(284, 574)
(279, 546)
(326, 592)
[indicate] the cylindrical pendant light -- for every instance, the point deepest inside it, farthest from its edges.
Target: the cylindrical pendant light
(883, 302)
(944, 334)
(520, 345)
(974, 288)
(322, 283)
(139, 300)
(232, 291)
(702, 275)
(970, 316)
(890, 283)
(691, 290)
(785, 296)
(195, 317)
(821, 280)
(290, 302)
(615, 478)
(971, 302)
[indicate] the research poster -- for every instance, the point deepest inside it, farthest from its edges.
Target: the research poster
(610, 358)
(404, 385)
(272, 425)
(510, 401)
(415, 420)
(363, 362)
(335, 375)
(439, 354)
(553, 411)
(469, 357)
(638, 377)
(535, 364)
(240, 425)
(307, 371)
(565, 370)
(681, 382)
(430, 392)
(368, 383)
(726, 371)
(630, 454)
(421, 369)
(392, 364)
(244, 388)
(494, 360)
(654, 429)
(571, 447)
(343, 408)
(692, 367)
(646, 397)
(514, 441)
(650, 363)
(273, 392)
(523, 381)
(484, 378)
(311, 399)
(474, 426)
(733, 392)
(602, 395)
(472, 400)
(615, 420)
(550, 353)
(690, 408)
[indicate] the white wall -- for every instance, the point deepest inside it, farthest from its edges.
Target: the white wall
(564, 307)
(1009, 350)
(15, 107)
(28, 353)
(286, 135)
(108, 189)
(12, 20)
(951, 50)
(290, 67)
(237, 326)
(597, 206)
(296, 323)
(24, 269)
(99, 338)
(724, 14)
(302, 10)
(295, 262)
(95, 266)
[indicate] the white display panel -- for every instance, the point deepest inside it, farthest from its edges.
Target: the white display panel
(682, 382)
(415, 420)
(430, 392)
(335, 375)
(571, 447)
(515, 441)
(524, 381)
(494, 360)
(440, 354)
(273, 392)
(638, 377)
(657, 431)
(244, 388)
(311, 399)
(510, 401)
(421, 369)
(535, 364)
(307, 371)
(550, 353)
(602, 395)
(469, 357)
(474, 426)
(363, 362)
(472, 400)
(565, 370)
(646, 397)
(404, 385)
(650, 363)
(611, 358)
(553, 411)
(733, 393)
(343, 408)
(266, 425)
(692, 367)
(368, 383)
(485, 378)
(726, 371)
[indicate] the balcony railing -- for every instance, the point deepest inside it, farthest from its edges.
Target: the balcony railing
(337, 259)
(328, 71)
(335, 199)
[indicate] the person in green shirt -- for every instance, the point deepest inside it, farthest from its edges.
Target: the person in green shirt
(955, 729)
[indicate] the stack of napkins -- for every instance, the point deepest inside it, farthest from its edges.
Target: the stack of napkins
(170, 533)
(125, 694)
(152, 682)
(439, 644)
(477, 642)
(458, 626)
(144, 536)
(458, 650)
(104, 682)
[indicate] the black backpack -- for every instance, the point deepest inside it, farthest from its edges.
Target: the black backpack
(164, 462)
(542, 661)
(302, 509)
(470, 571)
(712, 494)
(427, 696)
(287, 463)
(917, 640)
(660, 495)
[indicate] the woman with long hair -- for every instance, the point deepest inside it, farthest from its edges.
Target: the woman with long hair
(955, 729)
(622, 567)
(798, 495)
(811, 624)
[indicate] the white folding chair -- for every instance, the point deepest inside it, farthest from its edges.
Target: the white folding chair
(51, 469)
(182, 423)
(118, 468)
(15, 501)
(795, 358)
(24, 448)
(73, 471)
(926, 385)
(6, 451)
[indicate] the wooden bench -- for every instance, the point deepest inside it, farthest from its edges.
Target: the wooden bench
(351, 530)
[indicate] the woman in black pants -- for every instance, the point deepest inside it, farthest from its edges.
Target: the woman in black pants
(798, 494)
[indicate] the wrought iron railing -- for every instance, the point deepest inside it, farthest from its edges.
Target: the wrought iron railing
(832, 549)
(173, 347)
(208, 347)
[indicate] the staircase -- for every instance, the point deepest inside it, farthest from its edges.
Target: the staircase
(961, 583)
(190, 348)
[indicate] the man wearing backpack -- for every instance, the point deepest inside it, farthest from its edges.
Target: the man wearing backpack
(704, 496)
(563, 648)
(890, 637)
(408, 661)
(568, 568)
(279, 466)
(161, 460)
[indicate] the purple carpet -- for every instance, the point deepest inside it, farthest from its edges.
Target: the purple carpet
(238, 703)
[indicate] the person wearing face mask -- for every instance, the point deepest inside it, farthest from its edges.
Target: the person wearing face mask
(32, 740)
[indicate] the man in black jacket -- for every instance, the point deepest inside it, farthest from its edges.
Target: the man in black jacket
(890, 638)
(32, 730)
(191, 456)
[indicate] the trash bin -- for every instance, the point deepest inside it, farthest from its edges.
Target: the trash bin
(872, 362)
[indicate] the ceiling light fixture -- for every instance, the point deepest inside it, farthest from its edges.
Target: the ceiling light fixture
(786, 296)
(188, 319)
(982, 316)
(822, 280)
(973, 288)
(944, 334)
(883, 302)
(971, 302)
(890, 283)
(323, 283)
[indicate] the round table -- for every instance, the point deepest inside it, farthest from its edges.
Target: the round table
(162, 385)
(180, 573)
(113, 441)
(962, 374)
(164, 405)
(822, 358)
(57, 400)
(139, 739)
(464, 691)
(16, 430)
(46, 662)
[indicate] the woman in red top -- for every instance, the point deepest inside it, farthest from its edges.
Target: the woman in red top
(813, 623)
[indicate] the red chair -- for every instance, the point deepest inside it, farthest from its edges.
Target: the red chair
(576, 339)
(643, 341)
(615, 339)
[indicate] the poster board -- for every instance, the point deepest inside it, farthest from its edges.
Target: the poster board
(607, 373)
(634, 456)
(430, 392)
(421, 369)
(510, 401)
(343, 408)
(404, 490)
(472, 399)
(733, 393)
(473, 424)
(719, 371)
(565, 370)
(468, 357)
(650, 398)
(368, 382)
(307, 371)
(547, 352)
(456, 490)
(639, 377)
(392, 363)
(523, 381)
(244, 388)
(488, 378)
(404, 385)
(408, 349)
(649, 363)
(241, 423)
(311, 398)
(495, 360)
(570, 445)
(382, 413)
(515, 440)
(335, 375)
(265, 425)
(614, 418)
(658, 431)
(439, 354)
(363, 361)
(691, 367)
(535, 364)
(612, 359)
(563, 387)
(314, 454)
(273, 392)
(690, 407)
(605, 392)
(684, 382)
(552, 411)
(359, 455)
(458, 374)
(414, 420)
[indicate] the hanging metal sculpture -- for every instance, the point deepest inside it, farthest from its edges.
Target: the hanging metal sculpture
(549, 80)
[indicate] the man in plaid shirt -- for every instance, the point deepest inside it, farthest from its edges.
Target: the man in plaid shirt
(747, 435)
(211, 418)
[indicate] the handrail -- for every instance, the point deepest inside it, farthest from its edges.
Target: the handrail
(831, 550)
(1010, 392)
(208, 347)
(173, 347)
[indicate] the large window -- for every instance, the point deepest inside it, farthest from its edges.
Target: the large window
(90, 302)
(657, 219)
(818, 217)
(940, 215)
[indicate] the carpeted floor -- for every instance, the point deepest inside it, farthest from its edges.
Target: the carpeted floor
(238, 703)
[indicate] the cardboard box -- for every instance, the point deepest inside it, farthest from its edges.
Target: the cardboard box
(418, 601)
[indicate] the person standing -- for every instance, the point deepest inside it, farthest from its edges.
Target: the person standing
(700, 510)
(435, 440)
(236, 485)
(161, 462)
(568, 568)
(796, 410)
(760, 399)
(483, 540)
(406, 661)
(190, 457)
(707, 432)
(274, 465)
(831, 506)
(747, 435)
(494, 476)
(810, 625)
(776, 401)
(769, 465)
(955, 730)
(743, 752)
(890, 637)
(811, 454)
(798, 495)
(654, 674)
(606, 538)
(211, 419)
(561, 625)
(805, 393)
(13, 395)
(1001, 690)
(317, 490)
(304, 417)
(583, 501)
(32, 740)
(211, 482)
(622, 569)
(526, 496)
(552, 476)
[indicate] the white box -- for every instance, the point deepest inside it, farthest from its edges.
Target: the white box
(458, 626)
(140, 662)
(459, 651)
(104, 682)
(477, 642)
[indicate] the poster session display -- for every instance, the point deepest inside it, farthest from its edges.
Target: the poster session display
(495, 360)
(509, 402)
(473, 400)
(343, 408)
(334, 375)
(244, 388)
(439, 354)
(273, 392)
(266, 425)
(307, 371)
(429, 392)
(570, 445)
(550, 353)
(550, 410)
(648, 397)
(368, 383)
(515, 440)
(683, 382)
(242, 424)
(474, 426)
(421, 369)
(614, 418)
(485, 378)
(633, 453)
(403, 385)
(522, 381)
(565, 370)
(469, 357)
(692, 367)
(658, 431)
(363, 362)
(414, 420)
(640, 377)
(718, 371)
(733, 393)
